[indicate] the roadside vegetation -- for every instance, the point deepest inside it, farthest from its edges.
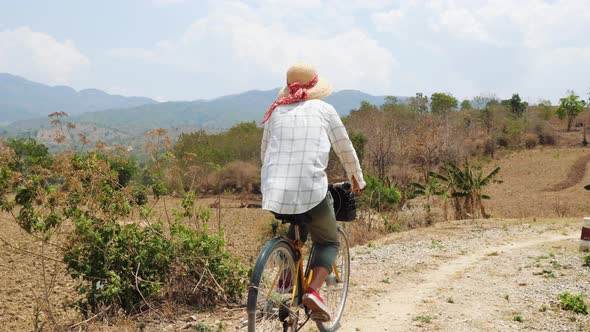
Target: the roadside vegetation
(91, 206)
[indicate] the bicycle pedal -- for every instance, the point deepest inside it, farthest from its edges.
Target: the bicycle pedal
(319, 317)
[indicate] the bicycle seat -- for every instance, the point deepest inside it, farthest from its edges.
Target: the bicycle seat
(295, 219)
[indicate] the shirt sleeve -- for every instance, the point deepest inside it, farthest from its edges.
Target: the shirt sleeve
(343, 147)
(265, 140)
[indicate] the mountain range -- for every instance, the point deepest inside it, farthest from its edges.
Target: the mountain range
(24, 106)
(23, 99)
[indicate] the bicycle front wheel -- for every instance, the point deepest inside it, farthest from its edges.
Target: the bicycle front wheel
(335, 288)
(270, 296)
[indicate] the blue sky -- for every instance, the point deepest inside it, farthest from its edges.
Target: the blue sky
(193, 49)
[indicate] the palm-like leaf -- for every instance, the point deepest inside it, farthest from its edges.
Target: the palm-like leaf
(418, 186)
(438, 176)
(486, 180)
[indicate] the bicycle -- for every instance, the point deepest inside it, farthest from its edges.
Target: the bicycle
(275, 302)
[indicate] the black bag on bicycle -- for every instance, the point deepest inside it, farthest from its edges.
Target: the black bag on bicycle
(344, 203)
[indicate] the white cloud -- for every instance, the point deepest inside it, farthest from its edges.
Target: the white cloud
(39, 56)
(497, 22)
(537, 47)
(241, 47)
(462, 23)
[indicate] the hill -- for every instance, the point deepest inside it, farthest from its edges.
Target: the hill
(219, 113)
(533, 184)
(25, 105)
(21, 99)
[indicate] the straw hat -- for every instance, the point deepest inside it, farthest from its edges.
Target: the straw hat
(303, 74)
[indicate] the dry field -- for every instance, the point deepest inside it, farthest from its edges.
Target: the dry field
(22, 277)
(529, 184)
(454, 276)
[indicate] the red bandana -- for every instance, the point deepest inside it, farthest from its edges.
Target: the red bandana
(297, 94)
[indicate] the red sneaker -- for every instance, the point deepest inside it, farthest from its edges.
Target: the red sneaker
(319, 310)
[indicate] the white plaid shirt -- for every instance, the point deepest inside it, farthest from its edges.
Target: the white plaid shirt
(295, 150)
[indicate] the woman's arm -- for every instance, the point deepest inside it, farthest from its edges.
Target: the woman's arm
(344, 150)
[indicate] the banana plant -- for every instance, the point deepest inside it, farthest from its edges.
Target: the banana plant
(466, 187)
(432, 188)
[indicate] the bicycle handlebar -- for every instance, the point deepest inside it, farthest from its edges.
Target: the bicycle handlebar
(347, 186)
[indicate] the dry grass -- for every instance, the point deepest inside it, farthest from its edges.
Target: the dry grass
(528, 175)
(360, 233)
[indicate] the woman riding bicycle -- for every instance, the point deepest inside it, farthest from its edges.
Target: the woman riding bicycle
(299, 130)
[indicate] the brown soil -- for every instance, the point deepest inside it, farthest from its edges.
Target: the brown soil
(528, 175)
(575, 174)
(22, 280)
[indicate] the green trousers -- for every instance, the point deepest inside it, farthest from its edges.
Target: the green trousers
(320, 223)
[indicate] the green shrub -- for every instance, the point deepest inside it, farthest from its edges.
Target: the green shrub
(241, 142)
(514, 129)
(152, 180)
(423, 319)
(200, 256)
(126, 168)
(359, 140)
(202, 327)
(586, 261)
(122, 169)
(120, 265)
(29, 154)
(573, 303)
(140, 196)
(392, 227)
(380, 194)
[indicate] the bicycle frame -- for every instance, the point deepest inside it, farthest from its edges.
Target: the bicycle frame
(302, 280)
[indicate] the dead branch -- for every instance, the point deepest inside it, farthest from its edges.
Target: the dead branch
(91, 318)
(139, 291)
(29, 252)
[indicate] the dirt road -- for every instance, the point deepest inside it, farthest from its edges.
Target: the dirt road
(500, 275)
(468, 278)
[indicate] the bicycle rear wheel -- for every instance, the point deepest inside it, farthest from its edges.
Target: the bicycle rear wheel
(335, 289)
(270, 295)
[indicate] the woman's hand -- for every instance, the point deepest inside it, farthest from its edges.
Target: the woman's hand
(356, 188)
